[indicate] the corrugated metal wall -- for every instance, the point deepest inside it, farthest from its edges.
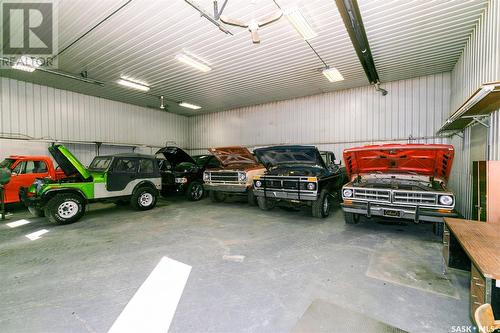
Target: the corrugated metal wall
(479, 63)
(413, 108)
(46, 114)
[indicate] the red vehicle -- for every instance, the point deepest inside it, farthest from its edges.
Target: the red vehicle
(25, 170)
(406, 181)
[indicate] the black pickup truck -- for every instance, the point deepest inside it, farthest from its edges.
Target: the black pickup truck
(182, 173)
(299, 175)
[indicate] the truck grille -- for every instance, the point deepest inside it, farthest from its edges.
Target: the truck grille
(279, 183)
(414, 198)
(371, 194)
(224, 176)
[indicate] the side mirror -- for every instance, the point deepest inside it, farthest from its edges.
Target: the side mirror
(337, 162)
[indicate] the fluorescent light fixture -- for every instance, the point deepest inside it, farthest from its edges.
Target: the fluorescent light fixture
(193, 61)
(189, 106)
(133, 84)
(299, 22)
(332, 74)
(27, 64)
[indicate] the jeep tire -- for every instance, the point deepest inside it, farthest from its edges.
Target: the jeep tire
(321, 206)
(65, 208)
(351, 218)
(144, 198)
(195, 191)
(216, 196)
(265, 204)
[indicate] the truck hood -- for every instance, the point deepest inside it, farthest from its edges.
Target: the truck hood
(288, 156)
(233, 155)
(296, 171)
(175, 155)
(69, 164)
(421, 159)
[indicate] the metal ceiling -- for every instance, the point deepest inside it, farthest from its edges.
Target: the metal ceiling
(407, 39)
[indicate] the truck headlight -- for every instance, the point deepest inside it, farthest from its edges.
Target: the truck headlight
(206, 176)
(258, 183)
(446, 200)
(347, 193)
(242, 177)
(311, 186)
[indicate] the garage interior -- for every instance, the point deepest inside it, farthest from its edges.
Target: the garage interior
(132, 77)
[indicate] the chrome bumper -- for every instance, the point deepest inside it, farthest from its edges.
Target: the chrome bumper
(416, 213)
(231, 188)
(286, 195)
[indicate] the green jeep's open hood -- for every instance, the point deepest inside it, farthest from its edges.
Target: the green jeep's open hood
(69, 164)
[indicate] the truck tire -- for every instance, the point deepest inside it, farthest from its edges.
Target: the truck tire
(351, 218)
(144, 198)
(217, 196)
(252, 200)
(195, 191)
(65, 208)
(36, 212)
(265, 204)
(321, 206)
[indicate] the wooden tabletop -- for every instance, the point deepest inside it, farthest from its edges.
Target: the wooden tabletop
(481, 242)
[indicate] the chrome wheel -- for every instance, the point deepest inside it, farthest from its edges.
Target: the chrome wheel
(196, 191)
(67, 209)
(326, 206)
(145, 199)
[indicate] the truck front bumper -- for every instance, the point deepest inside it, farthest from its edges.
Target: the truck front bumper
(414, 213)
(286, 195)
(228, 188)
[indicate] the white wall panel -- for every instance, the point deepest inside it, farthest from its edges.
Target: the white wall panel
(45, 114)
(42, 112)
(479, 63)
(414, 108)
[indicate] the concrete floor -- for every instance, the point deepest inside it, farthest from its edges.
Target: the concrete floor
(79, 277)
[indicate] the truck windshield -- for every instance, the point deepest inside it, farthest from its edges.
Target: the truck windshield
(100, 163)
(7, 163)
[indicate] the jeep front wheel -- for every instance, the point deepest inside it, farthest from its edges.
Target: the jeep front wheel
(265, 204)
(144, 198)
(321, 206)
(195, 191)
(65, 208)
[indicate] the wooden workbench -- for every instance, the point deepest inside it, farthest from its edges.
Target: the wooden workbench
(475, 246)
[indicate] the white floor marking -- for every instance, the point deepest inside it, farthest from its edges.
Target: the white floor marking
(18, 223)
(235, 258)
(153, 306)
(35, 235)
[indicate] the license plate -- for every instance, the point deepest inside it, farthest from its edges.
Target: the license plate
(392, 213)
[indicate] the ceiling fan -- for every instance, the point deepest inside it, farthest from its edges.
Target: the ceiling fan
(254, 25)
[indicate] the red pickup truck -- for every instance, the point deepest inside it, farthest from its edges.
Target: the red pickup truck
(25, 170)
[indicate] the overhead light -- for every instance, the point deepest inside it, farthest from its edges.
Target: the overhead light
(162, 102)
(189, 106)
(299, 23)
(332, 74)
(27, 64)
(194, 62)
(133, 84)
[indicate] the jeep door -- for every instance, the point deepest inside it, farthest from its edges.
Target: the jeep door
(122, 171)
(24, 173)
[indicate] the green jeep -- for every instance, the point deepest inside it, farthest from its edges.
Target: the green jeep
(123, 179)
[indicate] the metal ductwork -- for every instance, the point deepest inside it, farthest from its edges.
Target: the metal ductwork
(353, 22)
